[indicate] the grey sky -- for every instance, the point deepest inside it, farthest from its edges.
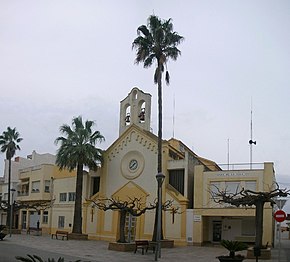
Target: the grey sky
(61, 59)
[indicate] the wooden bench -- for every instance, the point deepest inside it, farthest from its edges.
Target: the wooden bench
(63, 234)
(143, 244)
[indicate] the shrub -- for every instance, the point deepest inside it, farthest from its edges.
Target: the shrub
(233, 246)
(35, 258)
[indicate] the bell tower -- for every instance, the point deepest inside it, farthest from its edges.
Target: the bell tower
(135, 109)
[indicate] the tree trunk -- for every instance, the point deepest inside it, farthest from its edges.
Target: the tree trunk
(259, 223)
(9, 194)
(122, 222)
(159, 159)
(77, 223)
(159, 156)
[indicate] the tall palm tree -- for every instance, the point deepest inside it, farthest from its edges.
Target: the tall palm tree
(157, 42)
(77, 150)
(9, 143)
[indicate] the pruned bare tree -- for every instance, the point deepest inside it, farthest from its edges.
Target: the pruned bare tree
(36, 205)
(17, 205)
(134, 206)
(251, 198)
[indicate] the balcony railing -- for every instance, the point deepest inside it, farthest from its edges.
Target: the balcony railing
(241, 166)
(24, 193)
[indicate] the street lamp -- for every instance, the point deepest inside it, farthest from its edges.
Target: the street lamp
(160, 178)
(11, 211)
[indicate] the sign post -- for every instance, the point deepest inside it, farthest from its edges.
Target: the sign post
(279, 216)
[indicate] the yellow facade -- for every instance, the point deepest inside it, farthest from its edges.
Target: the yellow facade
(119, 182)
(37, 186)
(214, 221)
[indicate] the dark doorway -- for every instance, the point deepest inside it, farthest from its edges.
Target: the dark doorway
(217, 231)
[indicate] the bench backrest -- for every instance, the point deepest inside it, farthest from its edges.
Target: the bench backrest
(61, 232)
(142, 242)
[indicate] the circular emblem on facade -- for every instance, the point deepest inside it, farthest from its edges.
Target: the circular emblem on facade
(132, 165)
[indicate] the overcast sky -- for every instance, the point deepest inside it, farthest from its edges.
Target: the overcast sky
(60, 59)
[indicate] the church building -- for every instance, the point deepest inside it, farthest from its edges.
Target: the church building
(129, 171)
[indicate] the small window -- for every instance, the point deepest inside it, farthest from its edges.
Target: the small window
(61, 221)
(62, 197)
(251, 185)
(45, 217)
(47, 186)
(71, 196)
(96, 184)
(233, 187)
(5, 196)
(214, 189)
(176, 179)
(35, 186)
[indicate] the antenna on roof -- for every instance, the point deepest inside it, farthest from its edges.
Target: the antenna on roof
(228, 154)
(251, 141)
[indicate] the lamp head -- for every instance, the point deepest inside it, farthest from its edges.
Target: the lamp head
(160, 178)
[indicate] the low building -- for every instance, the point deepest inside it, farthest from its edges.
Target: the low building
(18, 164)
(214, 221)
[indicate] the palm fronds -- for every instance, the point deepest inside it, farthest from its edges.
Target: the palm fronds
(35, 258)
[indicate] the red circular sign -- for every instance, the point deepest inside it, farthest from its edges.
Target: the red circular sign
(280, 215)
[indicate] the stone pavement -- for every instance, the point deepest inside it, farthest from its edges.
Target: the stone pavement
(97, 251)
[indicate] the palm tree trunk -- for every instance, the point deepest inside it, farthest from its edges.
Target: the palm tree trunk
(9, 193)
(77, 223)
(159, 159)
(159, 156)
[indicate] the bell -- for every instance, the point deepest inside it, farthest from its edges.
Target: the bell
(127, 118)
(142, 115)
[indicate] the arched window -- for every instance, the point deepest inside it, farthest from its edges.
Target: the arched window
(142, 112)
(128, 116)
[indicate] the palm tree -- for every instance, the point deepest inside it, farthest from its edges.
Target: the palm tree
(77, 150)
(157, 42)
(9, 143)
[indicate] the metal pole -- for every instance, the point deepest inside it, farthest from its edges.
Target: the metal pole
(9, 196)
(159, 177)
(11, 213)
(279, 241)
(159, 220)
(10, 223)
(157, 247)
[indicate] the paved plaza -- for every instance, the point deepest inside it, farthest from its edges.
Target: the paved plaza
(97, 251)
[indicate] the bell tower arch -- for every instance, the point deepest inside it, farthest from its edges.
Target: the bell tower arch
(135, 109)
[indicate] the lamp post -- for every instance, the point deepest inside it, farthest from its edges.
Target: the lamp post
(160, 178)
(11, 211)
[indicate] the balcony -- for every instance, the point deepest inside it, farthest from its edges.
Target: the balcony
(23, 193)
(23, 188)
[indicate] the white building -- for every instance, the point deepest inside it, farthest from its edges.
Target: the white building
(17, 164)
